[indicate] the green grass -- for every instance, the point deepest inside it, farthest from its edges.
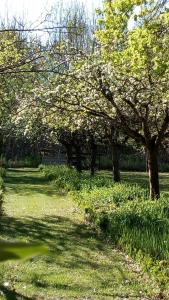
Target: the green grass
(132, 221)
(82, 265)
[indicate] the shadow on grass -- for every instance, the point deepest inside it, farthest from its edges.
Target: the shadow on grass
(23, 190)
(12, 294)
(25, 179)
(25, 182)
(136, 178)
(139, 178)
(22, 170)
(73, 247)
(59, 233)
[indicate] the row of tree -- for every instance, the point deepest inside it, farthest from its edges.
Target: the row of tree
(109, 80)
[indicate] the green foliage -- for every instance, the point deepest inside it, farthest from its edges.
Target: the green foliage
(18, 250)
(139, 45)
(142, 225)
(8, 49)
(68, 179)
(105, 198)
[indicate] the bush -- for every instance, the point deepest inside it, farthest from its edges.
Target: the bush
(68, 179)
(105, 198)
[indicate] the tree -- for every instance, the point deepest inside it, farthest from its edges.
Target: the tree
(137, 99)
(78, 95)
(138, 65)
(27, 64)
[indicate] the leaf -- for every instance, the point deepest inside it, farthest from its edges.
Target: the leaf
(19, 250)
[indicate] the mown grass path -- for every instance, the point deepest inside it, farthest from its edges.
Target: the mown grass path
(82, 265)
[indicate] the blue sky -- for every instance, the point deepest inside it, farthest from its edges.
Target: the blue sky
(33, 10)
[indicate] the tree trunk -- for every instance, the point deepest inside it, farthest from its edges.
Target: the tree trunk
(93, 156)
(152, 152)
(115, 159)
(78, 159)
(146, 156)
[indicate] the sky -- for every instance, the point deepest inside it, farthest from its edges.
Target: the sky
(35, 10)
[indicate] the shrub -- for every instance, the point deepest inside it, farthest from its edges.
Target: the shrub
(68, 179)
(107, 197)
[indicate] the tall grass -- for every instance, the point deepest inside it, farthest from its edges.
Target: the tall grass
(132, 221)
(68, 179)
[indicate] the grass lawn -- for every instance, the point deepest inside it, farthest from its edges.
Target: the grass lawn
(81, 265)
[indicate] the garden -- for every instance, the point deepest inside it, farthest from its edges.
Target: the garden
(84, 151)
